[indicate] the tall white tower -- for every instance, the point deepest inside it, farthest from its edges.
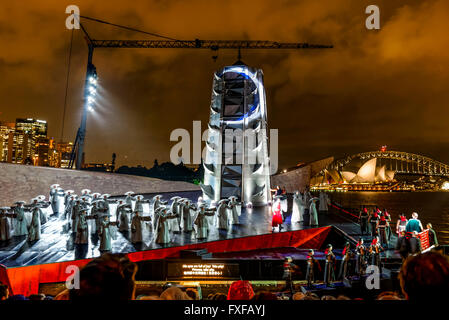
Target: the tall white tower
(236, 161)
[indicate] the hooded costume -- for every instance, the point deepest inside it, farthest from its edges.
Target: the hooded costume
(136, 227)
(236, 209)
(5, 224)
(175, 224)
(298, 208)
(187, 211)
(21, 227)
(313, 212)
(202, 225)
(162, 227)
(329, 272)
(222, 214)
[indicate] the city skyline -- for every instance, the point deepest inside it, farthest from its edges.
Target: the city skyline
(374, 87)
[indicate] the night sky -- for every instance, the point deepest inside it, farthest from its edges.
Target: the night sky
(386, 87)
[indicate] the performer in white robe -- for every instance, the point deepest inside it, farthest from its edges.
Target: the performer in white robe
(222, 214)
(175, 224)
(53, 198)
(162, 227)
(298, 208)
(324, 201)
(313, 212)
(202, 225)
(123, 211)
(40, 200)
(34, 231)
(68, 203)
(188, 209)
(21, 226)
(5, 224)
(235, 208)
(157, 203)
(106, 234)
(129, 199)
(136, 227)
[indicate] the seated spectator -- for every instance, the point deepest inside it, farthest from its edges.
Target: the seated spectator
(174, 293)
(414, 244)
(414, 224)
(326, 297)
(342, 297)
(298, 296)
(37, 297)
(433, 240)
(193, 294)
(388, 295)
(264, 295)
(219, 296)
(4, 291)
(110, 277)
(425, 277)
(240, 290)
(311, 296)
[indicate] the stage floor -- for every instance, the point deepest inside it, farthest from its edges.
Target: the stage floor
(52, 247)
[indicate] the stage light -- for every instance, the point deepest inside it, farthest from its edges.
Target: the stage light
(92, 90)
(90, 109)
(90, 99)
(93, 80)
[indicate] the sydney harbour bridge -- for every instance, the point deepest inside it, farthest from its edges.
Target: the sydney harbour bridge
(397, 161)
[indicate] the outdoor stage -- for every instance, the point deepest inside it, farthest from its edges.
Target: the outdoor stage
(27, 267)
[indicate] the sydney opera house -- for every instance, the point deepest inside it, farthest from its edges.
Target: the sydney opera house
(369, 172)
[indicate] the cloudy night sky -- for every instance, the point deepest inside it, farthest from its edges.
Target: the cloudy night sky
(375, 87)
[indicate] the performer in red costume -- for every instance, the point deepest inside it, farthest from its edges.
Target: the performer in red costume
(277, 214)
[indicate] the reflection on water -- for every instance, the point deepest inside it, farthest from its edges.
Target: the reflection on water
(432, 207)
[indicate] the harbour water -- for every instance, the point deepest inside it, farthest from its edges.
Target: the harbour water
(432, 207)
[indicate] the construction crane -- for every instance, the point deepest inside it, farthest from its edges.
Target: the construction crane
(170, 43)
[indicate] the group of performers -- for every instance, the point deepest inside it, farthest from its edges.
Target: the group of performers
(305, 208)
(92, 214)
(364, 256)
(377, 223)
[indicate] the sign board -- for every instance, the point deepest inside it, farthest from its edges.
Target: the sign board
(202, 270)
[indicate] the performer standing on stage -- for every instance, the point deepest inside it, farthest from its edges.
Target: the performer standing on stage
(34, 231)
(136, 226)
(311, 263)
(374, 253)
(162, 227)
(187, 213)
(5, 224)
(289, 268)
(123, 210)
(382, 231)
(313, 212)
(373, 218)
(329, 272)
(202, 225)
(82, 235)
(298, 208)
(129, 199)
(360, 264)
(235, 208)
(363, 220)
(401, 224)
(344, 265)
(324, 202)
(106, 233)
(222, 214)
(175, 226)
(388, 227)
(21, 228)
(276, 220)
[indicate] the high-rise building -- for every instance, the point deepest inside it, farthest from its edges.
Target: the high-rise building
(59, 155)
(41, 157)
(26, 134)
(6, 140)
(237, 159)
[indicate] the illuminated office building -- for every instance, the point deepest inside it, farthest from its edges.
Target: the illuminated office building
(6, 141)
(26, 134)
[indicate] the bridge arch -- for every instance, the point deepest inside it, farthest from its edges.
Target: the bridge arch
(397, 161)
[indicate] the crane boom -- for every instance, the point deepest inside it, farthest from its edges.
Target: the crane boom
(205, 44)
